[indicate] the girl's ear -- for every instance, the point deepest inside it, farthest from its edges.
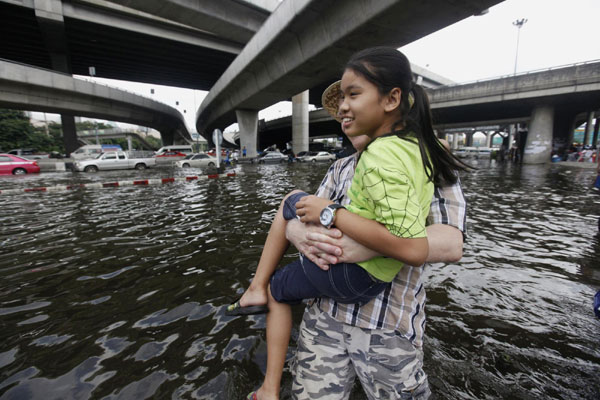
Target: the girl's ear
(393, 100)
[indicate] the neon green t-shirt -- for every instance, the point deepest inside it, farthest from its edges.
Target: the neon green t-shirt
(390, 186)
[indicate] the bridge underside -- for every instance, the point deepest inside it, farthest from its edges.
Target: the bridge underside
(115, 53)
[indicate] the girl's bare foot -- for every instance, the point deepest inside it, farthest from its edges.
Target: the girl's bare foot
(253, 301)
(254, 297)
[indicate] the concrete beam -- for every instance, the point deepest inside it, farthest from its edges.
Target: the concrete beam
(304, 43)
(568, 80)
(228, 19)
(110, 14)
(35, 89)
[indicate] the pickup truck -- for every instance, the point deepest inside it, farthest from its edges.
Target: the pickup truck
(114, 160)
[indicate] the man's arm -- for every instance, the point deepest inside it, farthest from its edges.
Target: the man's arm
(328, 246)
(445, 234)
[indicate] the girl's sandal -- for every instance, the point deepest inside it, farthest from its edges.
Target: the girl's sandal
(252, 396)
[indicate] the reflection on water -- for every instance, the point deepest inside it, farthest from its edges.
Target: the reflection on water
(119, 293)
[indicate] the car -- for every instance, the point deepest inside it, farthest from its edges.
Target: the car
(29, 154)
(272, 157)
(169, 157)
(182, 148)
(171, 154)
(197, 161)
(303, 154)
(318, 156)
(10, 164)
(474, 152)
(213, 152)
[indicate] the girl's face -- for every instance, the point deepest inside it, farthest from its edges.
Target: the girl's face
(362, 108)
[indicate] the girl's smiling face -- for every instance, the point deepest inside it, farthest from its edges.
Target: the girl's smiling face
(363, 110)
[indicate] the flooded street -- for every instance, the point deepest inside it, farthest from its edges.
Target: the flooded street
(119, 293)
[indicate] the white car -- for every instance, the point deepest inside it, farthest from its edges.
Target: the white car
(272, 157)
(197, 161)
(319, 156)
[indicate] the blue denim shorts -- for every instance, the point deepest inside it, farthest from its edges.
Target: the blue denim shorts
(303, 279)
(344, 282)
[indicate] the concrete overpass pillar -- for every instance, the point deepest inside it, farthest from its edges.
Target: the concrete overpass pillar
(469, 139)
(49, 14)
(596, 128)
(588, 127)
(539, 138)
(488, 138)
(300, 122)
(454, 144)
(248, 124)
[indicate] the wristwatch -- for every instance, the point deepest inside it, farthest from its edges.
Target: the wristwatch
(327, 215)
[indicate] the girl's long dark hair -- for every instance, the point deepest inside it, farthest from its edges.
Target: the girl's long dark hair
(387, 68)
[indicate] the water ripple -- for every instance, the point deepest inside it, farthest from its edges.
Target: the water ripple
(119, 293)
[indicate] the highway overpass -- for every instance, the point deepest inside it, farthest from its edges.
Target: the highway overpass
(551, 101)
(35, 89)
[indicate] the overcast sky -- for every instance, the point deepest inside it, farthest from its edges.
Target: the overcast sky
(557, 32)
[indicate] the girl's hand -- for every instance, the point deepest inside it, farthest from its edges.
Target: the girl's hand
(309, 208)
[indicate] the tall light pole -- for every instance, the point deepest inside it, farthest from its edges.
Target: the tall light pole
(519, 24)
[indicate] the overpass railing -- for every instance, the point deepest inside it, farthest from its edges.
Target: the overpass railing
(522, 73)
(84, 78)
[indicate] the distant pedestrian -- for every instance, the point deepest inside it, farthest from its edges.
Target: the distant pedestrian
(244, 152)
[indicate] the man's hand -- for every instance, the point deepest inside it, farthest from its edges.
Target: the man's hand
(309, 208)
(325, 246)
(333, 247)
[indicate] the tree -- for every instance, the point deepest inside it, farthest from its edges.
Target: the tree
(16, 132)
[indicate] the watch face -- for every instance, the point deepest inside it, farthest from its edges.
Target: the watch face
(326, 217)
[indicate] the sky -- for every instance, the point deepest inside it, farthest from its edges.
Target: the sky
(557, 32)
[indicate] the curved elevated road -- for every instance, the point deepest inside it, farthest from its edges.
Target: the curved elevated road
(36, 89)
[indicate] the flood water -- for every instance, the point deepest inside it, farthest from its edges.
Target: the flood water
(119, 293)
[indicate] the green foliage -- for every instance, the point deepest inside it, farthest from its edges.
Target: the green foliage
(16, 132)
(90, 126)
(154, 142)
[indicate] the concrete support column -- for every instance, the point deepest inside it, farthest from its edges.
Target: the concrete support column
(129, 145)
(488, 139)
(300, 122)
(511, 135)
(588, 127)
(248, 124)
(69, 133)
(539, 138)
(596, 128)
(49, 14)
(469, 139)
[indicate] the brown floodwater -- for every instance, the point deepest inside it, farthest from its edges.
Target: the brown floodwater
(119, 293)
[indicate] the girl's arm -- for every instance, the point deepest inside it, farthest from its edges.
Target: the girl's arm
(367, 232)
(376, 237)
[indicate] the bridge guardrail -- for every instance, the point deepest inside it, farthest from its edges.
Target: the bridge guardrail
(522, 73)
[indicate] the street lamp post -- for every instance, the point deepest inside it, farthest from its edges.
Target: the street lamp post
(519, 24)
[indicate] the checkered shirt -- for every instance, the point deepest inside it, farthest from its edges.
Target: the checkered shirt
(401, 307)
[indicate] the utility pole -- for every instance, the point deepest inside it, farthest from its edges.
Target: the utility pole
(519, 24)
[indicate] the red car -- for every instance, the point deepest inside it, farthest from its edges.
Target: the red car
(10, 164)
(172, 154)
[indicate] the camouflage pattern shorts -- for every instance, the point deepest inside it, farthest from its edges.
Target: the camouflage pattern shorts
(331, 354)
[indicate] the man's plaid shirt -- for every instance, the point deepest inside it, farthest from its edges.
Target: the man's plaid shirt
(401, 306)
